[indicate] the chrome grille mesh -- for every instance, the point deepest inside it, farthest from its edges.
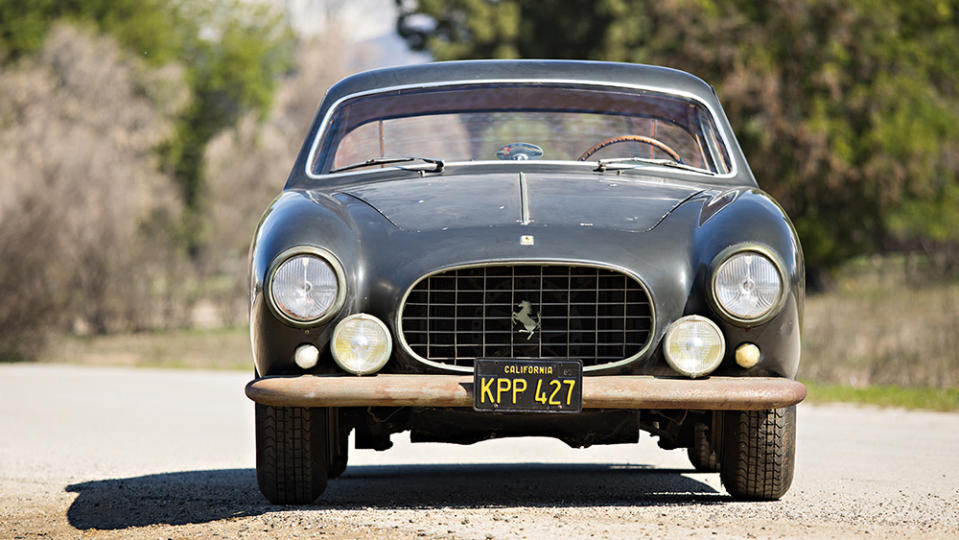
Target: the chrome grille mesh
(595, 314)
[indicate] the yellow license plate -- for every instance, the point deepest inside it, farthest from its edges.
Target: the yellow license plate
(528, 385)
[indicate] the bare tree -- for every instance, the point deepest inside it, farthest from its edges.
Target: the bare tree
(248, 165)
(83, 208)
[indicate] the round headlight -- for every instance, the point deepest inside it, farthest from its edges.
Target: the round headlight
(304, 288)
(694, 346)
(361, 344)
(747, 286)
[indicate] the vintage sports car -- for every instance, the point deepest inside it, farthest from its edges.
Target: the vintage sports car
(486, 249)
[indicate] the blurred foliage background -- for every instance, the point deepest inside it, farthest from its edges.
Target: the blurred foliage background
(141, 139)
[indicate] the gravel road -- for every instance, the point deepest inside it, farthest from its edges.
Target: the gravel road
(92, 452)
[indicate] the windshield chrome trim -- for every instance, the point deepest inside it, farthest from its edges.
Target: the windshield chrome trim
(733, 171)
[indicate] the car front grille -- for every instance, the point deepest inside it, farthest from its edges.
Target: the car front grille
(527, 311)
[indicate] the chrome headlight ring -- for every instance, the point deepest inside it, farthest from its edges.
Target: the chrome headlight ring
(326, 257)
(767, 255)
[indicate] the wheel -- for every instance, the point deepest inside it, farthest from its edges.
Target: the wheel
(759, 453)
(701, 453)
(338, 462)
(340, 445)
(292, 453)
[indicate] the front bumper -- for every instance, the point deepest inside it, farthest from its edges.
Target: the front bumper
(602, 392)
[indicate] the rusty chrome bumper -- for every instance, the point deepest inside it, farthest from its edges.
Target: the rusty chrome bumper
(604, 392)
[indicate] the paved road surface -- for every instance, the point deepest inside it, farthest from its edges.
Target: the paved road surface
(120, 453)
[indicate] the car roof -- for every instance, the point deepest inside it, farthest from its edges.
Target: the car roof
(573, 71)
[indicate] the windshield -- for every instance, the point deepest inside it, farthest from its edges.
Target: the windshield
(521, 121)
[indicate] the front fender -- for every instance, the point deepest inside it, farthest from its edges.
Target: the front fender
(299, 218)
(750, 217)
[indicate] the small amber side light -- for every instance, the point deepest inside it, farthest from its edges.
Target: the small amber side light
(747, 355)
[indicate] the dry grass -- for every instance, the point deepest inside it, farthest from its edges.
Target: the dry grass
(227, 348)
(885, 324)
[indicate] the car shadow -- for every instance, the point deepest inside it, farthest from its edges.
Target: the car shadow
(180, 498)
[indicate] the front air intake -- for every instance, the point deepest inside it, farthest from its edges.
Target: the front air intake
(527, 311)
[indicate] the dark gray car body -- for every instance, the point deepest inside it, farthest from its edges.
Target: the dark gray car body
(390, 227)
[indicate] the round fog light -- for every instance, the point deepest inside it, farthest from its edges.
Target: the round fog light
(361, 344)
(694, 346)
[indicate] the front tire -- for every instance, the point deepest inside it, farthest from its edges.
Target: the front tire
(701, 454)
(340, 447)
(759, 453)
(338, 463)
(292, 453)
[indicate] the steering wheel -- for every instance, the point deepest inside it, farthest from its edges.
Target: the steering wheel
(632, 138)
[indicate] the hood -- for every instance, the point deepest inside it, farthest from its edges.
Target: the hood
(490, 200)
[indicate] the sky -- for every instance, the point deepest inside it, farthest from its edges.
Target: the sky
(367, 23)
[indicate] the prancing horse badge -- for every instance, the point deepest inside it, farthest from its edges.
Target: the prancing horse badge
(523, 316)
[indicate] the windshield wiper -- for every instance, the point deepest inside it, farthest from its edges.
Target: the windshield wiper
(437, 163)
(604, 164)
